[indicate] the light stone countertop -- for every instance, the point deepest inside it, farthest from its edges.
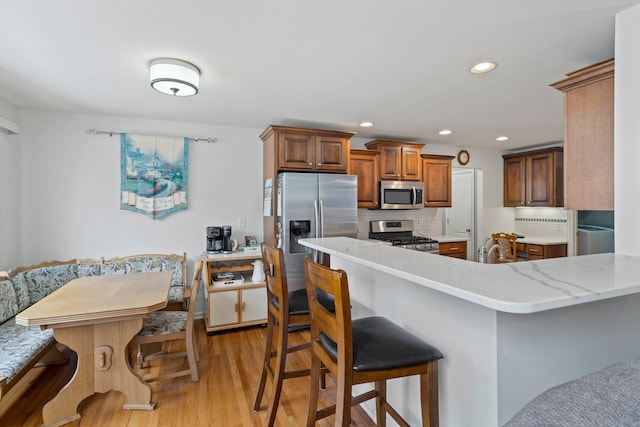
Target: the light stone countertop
(523, 287)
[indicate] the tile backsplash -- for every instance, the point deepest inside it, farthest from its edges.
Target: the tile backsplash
(541, 222)
(426, 222)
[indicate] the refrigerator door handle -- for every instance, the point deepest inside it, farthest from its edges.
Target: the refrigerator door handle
(316, 214)
(321, 254)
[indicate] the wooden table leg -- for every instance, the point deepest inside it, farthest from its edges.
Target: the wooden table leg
(103, 365)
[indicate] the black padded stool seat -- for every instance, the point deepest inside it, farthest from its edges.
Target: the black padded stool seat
(299, 303)
(379, 344)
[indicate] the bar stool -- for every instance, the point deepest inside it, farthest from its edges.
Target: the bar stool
(372, 349)
(286, 311)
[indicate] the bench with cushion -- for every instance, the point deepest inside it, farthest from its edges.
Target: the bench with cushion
(22, 347)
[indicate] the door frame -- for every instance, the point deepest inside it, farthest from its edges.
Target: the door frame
(476, 233)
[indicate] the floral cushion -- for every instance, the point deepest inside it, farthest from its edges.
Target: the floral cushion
(175, 266)
(22, 291)
(8, 301)
(176, 294)
(44, 280)
(89, 269)
(164, 322)
(18, 344)
(118, 266)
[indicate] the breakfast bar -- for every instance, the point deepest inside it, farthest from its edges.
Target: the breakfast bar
(507, 331)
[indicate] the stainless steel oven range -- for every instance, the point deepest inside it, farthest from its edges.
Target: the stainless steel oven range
(400, 233)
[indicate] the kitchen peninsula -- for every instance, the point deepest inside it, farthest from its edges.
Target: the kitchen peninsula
(507, 331)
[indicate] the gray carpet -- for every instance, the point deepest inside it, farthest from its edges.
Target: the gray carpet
(609, 397)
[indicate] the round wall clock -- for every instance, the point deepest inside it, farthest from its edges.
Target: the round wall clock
(463, 157)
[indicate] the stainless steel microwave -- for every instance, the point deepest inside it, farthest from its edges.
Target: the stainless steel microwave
(401, 194)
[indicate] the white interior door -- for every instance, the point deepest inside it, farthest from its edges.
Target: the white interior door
(460, 219)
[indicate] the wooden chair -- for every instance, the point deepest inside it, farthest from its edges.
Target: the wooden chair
(371, 349)
(286, 311)
(164, 326)
(508, 244)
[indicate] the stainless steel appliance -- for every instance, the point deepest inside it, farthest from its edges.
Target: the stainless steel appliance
(400, 233)
(313, 205)
(214, 240)
(401, 194)
(226, 239)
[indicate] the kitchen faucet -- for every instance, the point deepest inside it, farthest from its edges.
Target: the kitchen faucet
(483, 254)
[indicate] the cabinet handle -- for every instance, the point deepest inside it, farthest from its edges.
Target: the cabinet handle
(310, 164)
(453, 249)
(236, 307)
(533, 250)
(319, 164)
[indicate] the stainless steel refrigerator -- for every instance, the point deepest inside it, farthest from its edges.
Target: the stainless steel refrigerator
(313, 205)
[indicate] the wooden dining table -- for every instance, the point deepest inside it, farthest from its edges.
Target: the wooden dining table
(97, 317)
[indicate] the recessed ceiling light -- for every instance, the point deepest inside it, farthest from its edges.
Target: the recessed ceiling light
(502, 138)
(445, 132)
(483, 67)
(366, 124)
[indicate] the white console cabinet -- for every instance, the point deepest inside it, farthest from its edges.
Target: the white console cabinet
(238, 301)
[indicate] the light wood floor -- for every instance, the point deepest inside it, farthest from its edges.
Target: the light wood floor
(224, 396)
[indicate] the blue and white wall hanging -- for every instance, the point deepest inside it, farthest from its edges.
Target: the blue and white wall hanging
(153, 171)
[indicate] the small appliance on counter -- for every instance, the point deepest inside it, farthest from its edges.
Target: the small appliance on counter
(226, 239)
(400, 233)
(214, 240)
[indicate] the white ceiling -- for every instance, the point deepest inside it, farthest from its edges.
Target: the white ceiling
(327, 64)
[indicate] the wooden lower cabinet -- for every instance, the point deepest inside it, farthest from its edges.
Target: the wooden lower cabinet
(232, 305)
(532, 252)
(454, 249)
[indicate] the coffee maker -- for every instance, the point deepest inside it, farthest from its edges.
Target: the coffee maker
(226, 239)
(214, 240)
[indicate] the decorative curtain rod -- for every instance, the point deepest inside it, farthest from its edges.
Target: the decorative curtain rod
(210, 140)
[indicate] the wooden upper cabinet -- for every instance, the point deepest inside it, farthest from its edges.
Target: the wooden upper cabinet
(296, 151)
(300, 149)
(514, 181)
(365, 164)
(588, 137)
(332, 153)
(399, 161)
(436, 175)
(534, 178)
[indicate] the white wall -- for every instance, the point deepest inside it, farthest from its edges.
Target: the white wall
(627, 132)
(9, 191)
(70, 188)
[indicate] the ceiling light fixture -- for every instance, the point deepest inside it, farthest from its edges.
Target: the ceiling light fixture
(445, 132)
(366, 124)
(502, 138)
(174, 77)
(483, 67)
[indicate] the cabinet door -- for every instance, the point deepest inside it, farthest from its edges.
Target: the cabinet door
(540, 178)
(411, 164)
(365, 165)
(296, 151)
(331, 153)
(254, 304)
(223, 307)
(514, 181)
(437, 182)
(390, 162)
